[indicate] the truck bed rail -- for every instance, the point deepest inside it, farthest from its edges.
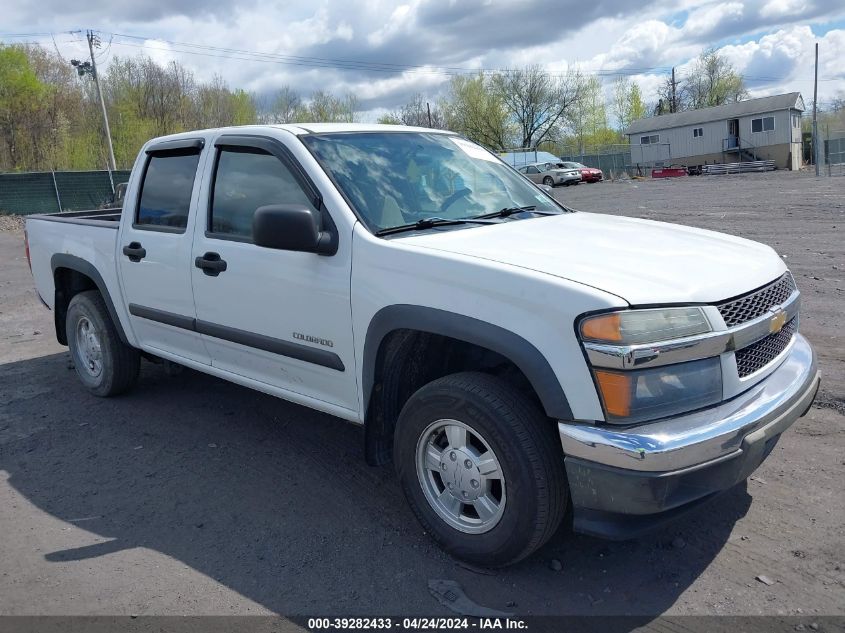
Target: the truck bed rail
(108, 218)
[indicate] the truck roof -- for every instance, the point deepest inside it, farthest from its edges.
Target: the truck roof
(308, 128)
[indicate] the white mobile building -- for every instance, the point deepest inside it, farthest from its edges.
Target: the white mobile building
(768, 128)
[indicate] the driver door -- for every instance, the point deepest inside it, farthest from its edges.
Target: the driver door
(279, 317)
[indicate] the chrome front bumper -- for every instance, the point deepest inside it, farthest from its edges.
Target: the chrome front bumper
(625, 481)
(770, 406)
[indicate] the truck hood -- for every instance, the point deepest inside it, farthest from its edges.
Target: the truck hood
(641, 261)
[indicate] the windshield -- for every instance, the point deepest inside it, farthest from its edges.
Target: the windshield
(398, 178)
(573, 165)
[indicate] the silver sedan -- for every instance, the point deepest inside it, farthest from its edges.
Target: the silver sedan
(550, 174)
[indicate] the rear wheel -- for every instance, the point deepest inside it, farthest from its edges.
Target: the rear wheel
(481, 467)
(104, 363)
(549, 181)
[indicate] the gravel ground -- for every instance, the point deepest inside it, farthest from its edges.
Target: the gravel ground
(191, 495)
(11, 222)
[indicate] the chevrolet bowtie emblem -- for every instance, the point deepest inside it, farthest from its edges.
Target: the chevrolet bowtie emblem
(777, 322)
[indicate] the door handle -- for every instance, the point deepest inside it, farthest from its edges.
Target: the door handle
(211, 264)
(134, 251)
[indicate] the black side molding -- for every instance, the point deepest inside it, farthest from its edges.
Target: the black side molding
(523, 354)
(160, 316)
(321, 357)
(311, 355)
(71, 262)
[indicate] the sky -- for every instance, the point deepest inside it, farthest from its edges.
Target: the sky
(384, 52)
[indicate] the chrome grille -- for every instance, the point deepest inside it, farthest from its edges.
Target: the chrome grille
(758, 355)
(755, 304)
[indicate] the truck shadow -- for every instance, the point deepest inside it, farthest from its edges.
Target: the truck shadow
(274, 501)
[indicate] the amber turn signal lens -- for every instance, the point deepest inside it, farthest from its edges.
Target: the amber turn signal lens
(615, 392)
(607, 327)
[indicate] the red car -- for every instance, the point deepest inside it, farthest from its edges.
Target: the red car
(588, 174)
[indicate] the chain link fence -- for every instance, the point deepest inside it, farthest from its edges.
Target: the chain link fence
(51, 191)
(616, 160)
(834, 153)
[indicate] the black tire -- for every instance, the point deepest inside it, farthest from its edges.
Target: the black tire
(119, 363)
(549, 181)
(529, 452)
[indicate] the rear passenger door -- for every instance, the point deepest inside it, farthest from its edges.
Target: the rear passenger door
(282, 318)
(154, 251)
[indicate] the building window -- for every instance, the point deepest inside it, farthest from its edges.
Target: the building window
(766, 124)
(796, 120)
(649, 140)
(697, 132)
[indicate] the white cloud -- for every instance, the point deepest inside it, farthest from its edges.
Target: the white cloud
(402, 18)
(782, 8)
(707, 20)
(614, 36)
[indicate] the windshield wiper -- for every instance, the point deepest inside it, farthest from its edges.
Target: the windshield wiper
(428, 223)
(509, 211)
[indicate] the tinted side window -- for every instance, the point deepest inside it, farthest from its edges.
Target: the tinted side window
(246, 180)
(166, 191)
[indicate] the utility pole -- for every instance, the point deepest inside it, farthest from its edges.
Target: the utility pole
(674, 105)
(428, 107)
(92, 41)
(815, 104)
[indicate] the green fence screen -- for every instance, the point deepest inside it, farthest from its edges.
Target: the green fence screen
(48, 192)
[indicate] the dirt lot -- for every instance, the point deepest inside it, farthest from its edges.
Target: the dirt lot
(194, 496)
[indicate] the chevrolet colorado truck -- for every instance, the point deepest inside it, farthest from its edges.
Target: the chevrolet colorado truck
(512, 357)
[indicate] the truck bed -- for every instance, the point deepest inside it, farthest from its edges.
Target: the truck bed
(75, 240)
(109, 218)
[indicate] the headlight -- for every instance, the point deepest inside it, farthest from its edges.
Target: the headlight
(628, 394)
(648, 394)
(630, 327)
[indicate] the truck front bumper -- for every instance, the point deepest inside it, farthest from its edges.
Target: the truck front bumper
(626, 481)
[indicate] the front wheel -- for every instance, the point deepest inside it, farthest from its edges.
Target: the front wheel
(104, 363)
(549, 181)
(481, 467)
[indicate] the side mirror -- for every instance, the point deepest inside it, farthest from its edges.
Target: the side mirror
(292, 227)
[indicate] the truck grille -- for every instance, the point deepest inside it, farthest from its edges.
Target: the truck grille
(758, 355)
(755, 304)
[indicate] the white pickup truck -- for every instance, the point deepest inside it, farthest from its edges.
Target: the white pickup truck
(511, 356)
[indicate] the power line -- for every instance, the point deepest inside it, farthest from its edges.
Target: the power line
(221, 52)
(342, 64)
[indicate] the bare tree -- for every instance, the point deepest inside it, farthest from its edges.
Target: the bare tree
(536, 100)
(325, 107)
(286, 103)
(710, 81)
(417, 112)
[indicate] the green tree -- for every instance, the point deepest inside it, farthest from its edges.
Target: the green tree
(628, 105)
(713, 81)
(20, 97)
(474, 108)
